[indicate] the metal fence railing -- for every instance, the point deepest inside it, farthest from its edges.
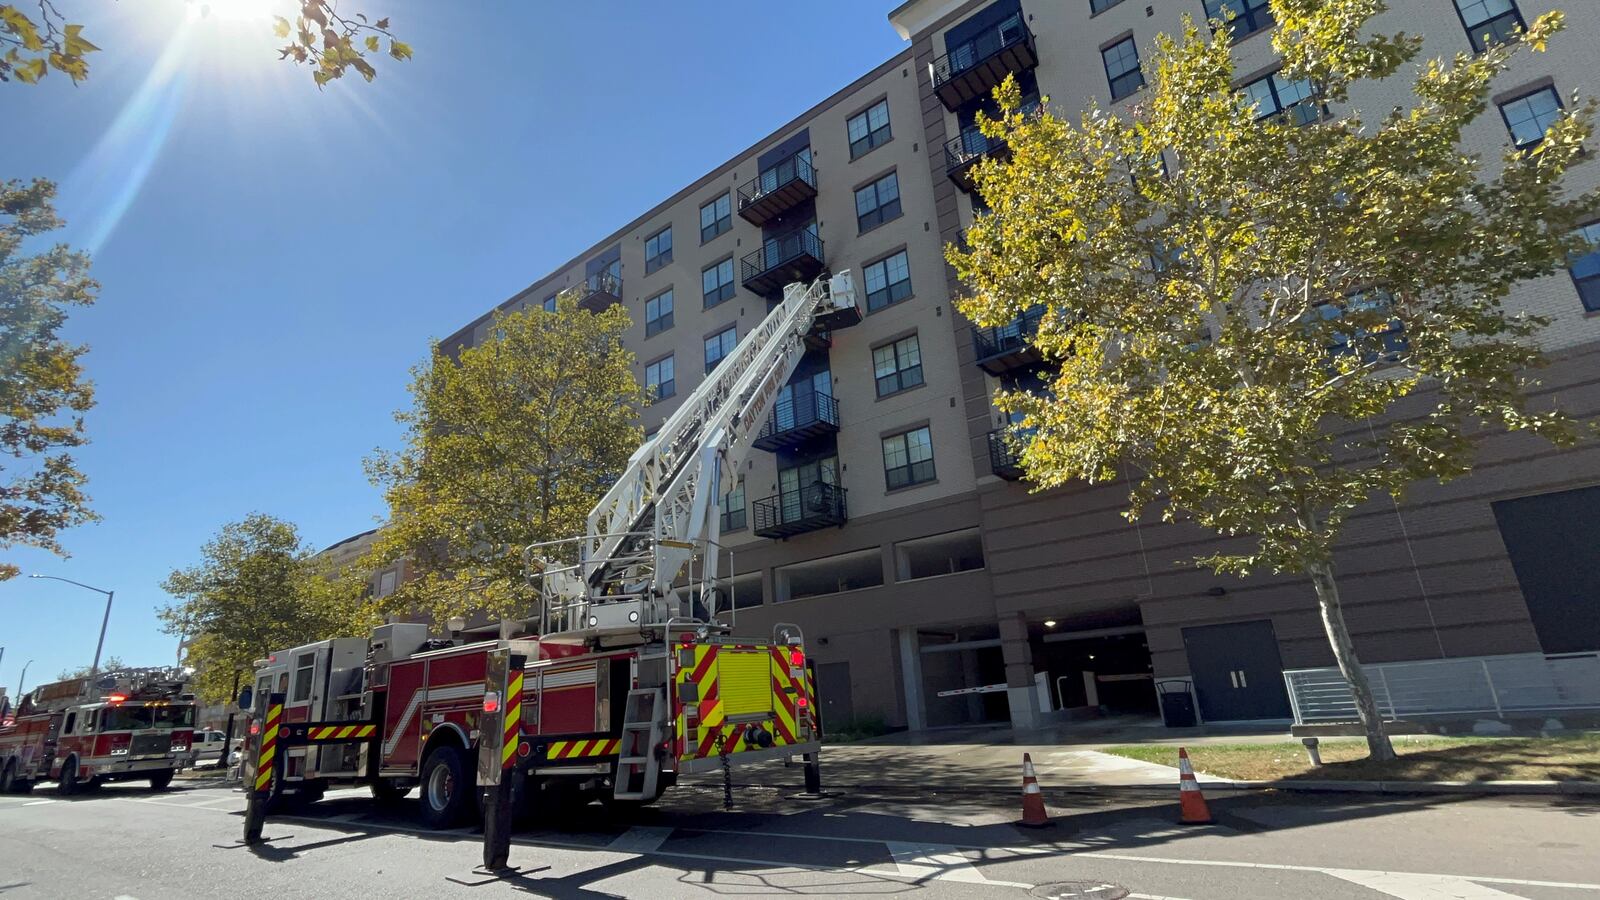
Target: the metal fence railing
(1478, 685)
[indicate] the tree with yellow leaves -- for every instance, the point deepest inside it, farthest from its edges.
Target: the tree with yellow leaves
(1271, 319)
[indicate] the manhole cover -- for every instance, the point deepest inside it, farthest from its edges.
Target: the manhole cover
(1080, 890)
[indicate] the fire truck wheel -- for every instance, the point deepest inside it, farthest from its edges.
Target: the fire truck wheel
(446, 788)
(68, 784)
(160, 780)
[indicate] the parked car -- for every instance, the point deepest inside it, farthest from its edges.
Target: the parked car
(207, 748)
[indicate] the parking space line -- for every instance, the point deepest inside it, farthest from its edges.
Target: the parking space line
(1477, 880)
(1407, 886)
(38, 802)
(641, 839)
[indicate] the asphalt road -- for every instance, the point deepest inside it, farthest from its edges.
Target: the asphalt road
(126, 842)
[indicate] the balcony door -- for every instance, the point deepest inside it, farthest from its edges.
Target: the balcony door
(797, 401)
(797, 495)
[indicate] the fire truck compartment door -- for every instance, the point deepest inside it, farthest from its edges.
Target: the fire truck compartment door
(744, 682)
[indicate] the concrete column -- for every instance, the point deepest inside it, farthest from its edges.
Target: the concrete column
(911, 679)
(1018, 655)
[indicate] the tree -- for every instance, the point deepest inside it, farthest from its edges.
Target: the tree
(319, 37)
(507, 445)
(111, 664)
(1305, 313)
(43, 394)
(258, 589)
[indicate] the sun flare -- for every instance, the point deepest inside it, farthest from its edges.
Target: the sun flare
(236, 10)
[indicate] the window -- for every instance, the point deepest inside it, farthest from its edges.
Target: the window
(1366, 306)
(845, 572)
(1100, 6)
(658, 378)
(720, 345)
(716, 218)
(716, 283)
(1122, 68)
(908, 458)
(1245, 16)
(897, 366)
(878, 202)
(1489, 21)
(658, 313)
(1585, 269)
(808, 489)
(72, 720)
(888, 281)
(1275, 94)
(304, 665)
(386, 583)
(550, 303)
(869, 130)
(1528, 117)
(658, 250)
(942, 554)
(733, 508)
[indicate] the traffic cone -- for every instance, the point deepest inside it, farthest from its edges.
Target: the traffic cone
(1033, 814)
(1191, 803)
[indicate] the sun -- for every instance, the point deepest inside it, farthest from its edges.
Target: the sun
(236, 10)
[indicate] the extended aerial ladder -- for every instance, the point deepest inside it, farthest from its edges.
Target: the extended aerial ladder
(619, 583)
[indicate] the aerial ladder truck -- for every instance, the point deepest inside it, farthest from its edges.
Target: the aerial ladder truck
(627, 676)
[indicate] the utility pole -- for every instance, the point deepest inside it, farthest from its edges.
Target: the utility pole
(94, 668)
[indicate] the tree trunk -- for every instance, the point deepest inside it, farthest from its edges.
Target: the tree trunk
(1344, 652)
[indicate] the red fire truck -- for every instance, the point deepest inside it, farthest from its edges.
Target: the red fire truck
(127, 725)
(631, 673)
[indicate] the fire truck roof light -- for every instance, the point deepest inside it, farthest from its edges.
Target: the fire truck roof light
(797, 658)
(116, 698)
(491, 702)
(802, 702)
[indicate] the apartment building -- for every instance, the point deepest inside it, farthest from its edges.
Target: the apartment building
(881, 514)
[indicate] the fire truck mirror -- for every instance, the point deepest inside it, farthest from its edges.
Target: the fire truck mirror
(246, 698)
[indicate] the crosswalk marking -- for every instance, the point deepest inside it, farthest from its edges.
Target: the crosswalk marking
(1412, 886)
(941, 861)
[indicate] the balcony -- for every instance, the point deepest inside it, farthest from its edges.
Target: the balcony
(798, 420)
(778, 190)
(961, 155)
(817, 505)
(796, 256)
(1005, 457)
(602, 290)
(1008, 347)
(977, 67)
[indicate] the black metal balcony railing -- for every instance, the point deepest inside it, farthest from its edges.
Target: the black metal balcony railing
(797, 256)
(1005, 455)
(1008, 347)
(797, 419)
(963, 152)
(975, 68)
(808, 508)
(778, 189)
(601, 290)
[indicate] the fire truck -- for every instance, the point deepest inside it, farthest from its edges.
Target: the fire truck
(125, 725)
(629, 675)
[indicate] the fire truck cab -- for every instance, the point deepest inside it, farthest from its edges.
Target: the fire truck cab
(128, 725)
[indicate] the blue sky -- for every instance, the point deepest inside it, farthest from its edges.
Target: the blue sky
(275, 259)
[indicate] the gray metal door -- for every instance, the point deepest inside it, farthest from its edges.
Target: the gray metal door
(833, 695)
(1237, 671)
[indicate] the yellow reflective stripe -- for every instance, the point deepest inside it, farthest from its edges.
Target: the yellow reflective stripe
(507, 752)
(347, 731)
(263, 779)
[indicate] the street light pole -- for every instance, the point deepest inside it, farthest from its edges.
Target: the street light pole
(21, 681)
(94, 668)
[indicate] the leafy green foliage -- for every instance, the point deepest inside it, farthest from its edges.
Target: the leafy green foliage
(32, 48)
(320, 37)
(1222, 327)
(1306, 313)
(332, 44)
(257, 589)
(43, 395)
(508, 445)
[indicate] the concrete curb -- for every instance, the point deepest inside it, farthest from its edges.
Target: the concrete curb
(1559, 788)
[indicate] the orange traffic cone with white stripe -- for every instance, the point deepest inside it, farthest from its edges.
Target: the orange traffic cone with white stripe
(1033, 814)
(1191, 803)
